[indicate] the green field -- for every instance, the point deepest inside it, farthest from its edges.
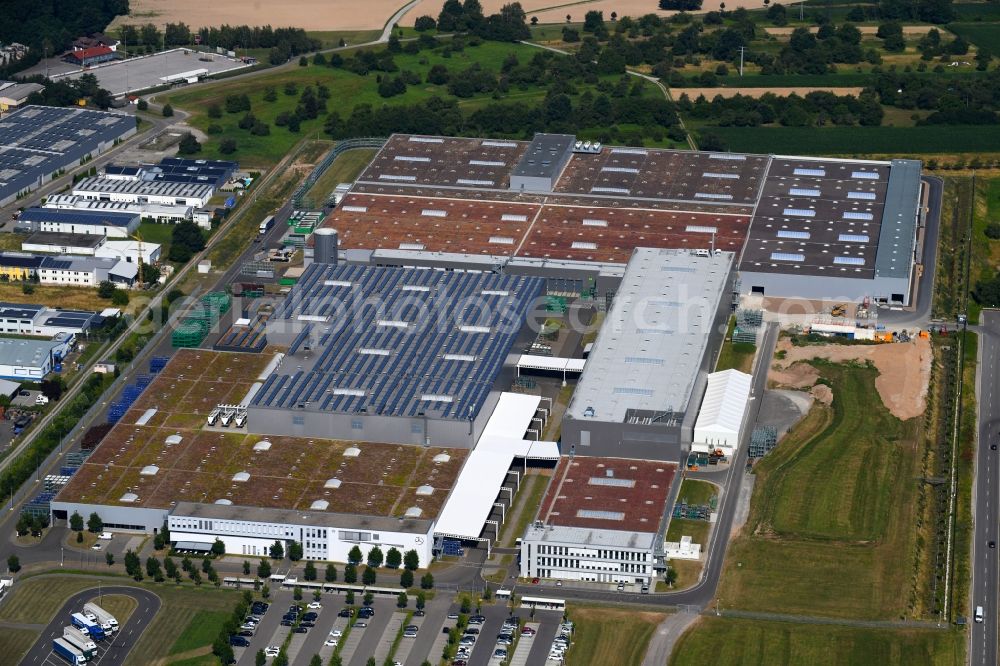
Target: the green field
(724, 641)
(345, 169)
(698, 530)
(859, 140)
(830, 530)
(203, 628)
(604, 636)
(697, 492)
(983, 35)
(15, 642)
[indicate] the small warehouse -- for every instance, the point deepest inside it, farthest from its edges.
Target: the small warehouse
(721, 417)
(113, 224)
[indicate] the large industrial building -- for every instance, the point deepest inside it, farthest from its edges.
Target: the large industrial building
(602, 520)
(110, 224)
(800, 227)
(390, 354)
(39, 320)
(40, 141)
(639, 391)
(30, 360)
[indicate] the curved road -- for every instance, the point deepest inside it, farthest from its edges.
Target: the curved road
(109, 652)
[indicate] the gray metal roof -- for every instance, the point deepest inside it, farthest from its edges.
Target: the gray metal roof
(650, 347)
(897, 236)
(38, 140)
(544, 156)
(303, 518)
(61, 240)
(558, 534)
(143, 187)
(19, 351)
(394, 341)
(88, 218)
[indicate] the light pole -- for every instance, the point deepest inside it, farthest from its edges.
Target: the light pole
(62, 555)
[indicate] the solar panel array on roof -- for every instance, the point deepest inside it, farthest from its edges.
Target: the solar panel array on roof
(334, 371)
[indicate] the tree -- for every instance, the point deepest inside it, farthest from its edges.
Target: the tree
(331, 574)
(265, 591)
(168, 111)
(277, 551)
(294, 551)
(355, 556)
(310, 571)
(227, 146)
(411, 560)
(349, 598)
(421, 600)
(375, 557)
(76, 522)
(264, 569)
(13, 564)
(169, 567)
(79, 537)
(401, 600)
(109, 558)
(369, 598)
(218, 548)
(406, 579)
(315, 661)
(297, 593)
(317, 595)
(351, 574)
(427, 581)
(465, 604)
(260, 659)
(393, 558)
(153, 569)
(992, 230)
(246, 567)
(188, 145)
(424, 23)
(95, 524)
(53, 390)
(105, 289)
(368, 576)
(671, 576)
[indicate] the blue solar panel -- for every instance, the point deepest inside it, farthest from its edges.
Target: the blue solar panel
(404, 337)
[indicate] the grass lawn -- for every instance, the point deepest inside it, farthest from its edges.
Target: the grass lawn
(15, 642)
(161, 234)
(687, 575)
(605, 636)
(721, 641)
(331, 38)
(89, 539)
(12, 241)
(858, 140)
(55, 296)
(345, 169)
(830, 530)
(119, 605)
(35, 601)
(738, 355)
(529, 498)
(200, 631)
(698, 530)
(203, 660)
(697, 492)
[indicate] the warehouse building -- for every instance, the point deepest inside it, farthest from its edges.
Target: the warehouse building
(601, 520)
(110, 224)
(835, 229)
(92, 245)
(15, 95)
(77, 271)
(145, 211)
(720, 419)
(98, 188)
(22, 359)
(40, 141)
(639, 390)
(251, 490)
(424, 365)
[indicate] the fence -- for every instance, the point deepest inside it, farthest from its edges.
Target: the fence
(299, 196)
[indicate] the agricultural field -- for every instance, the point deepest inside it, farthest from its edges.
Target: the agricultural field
(830, 528)
(15, 642)
(762, 643)
(983, 35)
(604, 636)
(54, 296)
(338, 15)
(858, 141)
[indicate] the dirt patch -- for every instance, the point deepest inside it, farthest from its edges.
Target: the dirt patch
(822, 393)
(308, 14)
(726, 93)
(904, 371)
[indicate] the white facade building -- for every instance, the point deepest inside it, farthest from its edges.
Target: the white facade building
(129, 251)
(580, 553)
(324, 536)
(721, 417)
(146, 211)
(98, 188)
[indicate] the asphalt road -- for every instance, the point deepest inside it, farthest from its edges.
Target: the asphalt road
(985, 570)
(109, 652)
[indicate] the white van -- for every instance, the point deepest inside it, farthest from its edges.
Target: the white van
(105, 536)
(979, 613)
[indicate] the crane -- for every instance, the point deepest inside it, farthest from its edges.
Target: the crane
(138, 237)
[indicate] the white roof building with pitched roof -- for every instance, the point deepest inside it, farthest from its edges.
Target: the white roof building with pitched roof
(721, 416)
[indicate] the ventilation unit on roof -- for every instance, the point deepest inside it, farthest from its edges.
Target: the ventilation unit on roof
(442, 458)
(413, 512)
(241, 477)
(425, 490)
(262, 445)
(149, 470)
(224, 502)
(352, 452)
(319, 505)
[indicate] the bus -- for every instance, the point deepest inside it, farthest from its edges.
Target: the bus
(543, 603)
(265, 225)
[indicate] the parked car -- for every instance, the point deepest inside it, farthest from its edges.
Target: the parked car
(315, 605)
(346, 612)
(300, 630)
(360, 625)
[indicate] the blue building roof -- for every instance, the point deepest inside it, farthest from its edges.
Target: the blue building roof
(394, 341)
(82, 217)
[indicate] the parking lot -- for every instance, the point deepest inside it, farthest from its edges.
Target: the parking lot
(357, 644)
